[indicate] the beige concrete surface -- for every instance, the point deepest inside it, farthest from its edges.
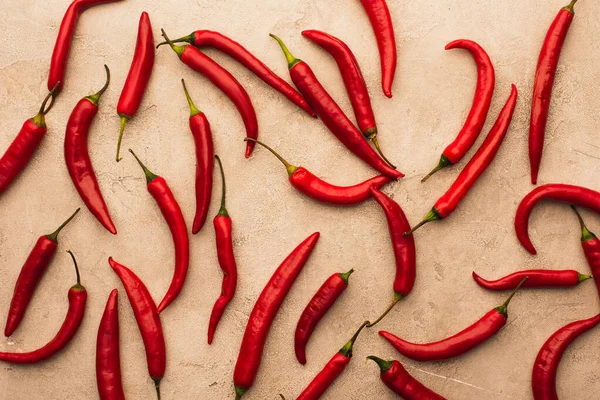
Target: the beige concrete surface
(432, 95)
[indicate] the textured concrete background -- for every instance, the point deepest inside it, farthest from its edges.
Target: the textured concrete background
(432, 95)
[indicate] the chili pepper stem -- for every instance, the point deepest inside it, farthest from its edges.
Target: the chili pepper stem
(193, 109)
(433, 215)
(384, 366)
(177, 49)
(239, 392)
(347, 349)
(373, 139)
(222, 211)
(345, 276)
(187, 38)
(39, 119)
(443, 163)
(503, 309)
(569, 8)
(289, 167)
(149, 175)
(76, 269)
(95, 98)
(585, 232)
(291, 60)
(582, 277)
(124, 120)
(282, 398)
(397, 298)
(54, 235)
(157, 386)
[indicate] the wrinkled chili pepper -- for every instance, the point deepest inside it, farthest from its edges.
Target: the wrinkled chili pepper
(461, 343)
(482, 100)
(77, 156)
(591, 249)
(138, 77)
(264, 312)
(108, 358)
(476, 166)
(159, 189)
(77, 299)
(221, 78)
(317, 189)
(538, 278)
(30, 276)
(332, 115)
(316, 309)
(543, 82)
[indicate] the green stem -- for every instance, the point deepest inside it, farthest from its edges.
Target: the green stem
(289, 167)
(585, 232)
(433, 215)
(54, 235)
(193, 109)
(124, 119)
(76, 268)
(149, 175)
(291, 60)
(503, 309)
(570, 7)
(384, 366)
(443, 163)
(157, 386)
(95, 98)
(177, 49)
(39, 119)
(346, 276)
(582, 277)
(373, 139)
(222, 211)
(347, 349)
(191, 38)
(397, 298)
(239, 392)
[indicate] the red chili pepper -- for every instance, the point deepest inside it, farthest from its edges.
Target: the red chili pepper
(224, 239)
(221, 78)
(148, 321)
(31, 274)
(476, 166)
(381, 22)
(316, 309)
(216, 40)
(332, 115)
(543, 379)
(138, 77)
(544, 80)
(473, 126)
(591, 249)
(171, 211)
(461, 343)
(77, 299)
(77, 157)
(402, 383)
(264, 312)
(108, 358)
(537, 278)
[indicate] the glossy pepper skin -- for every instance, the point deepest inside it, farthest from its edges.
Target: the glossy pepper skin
(538, 278)
(591, 249)
(108, 358)
(264, 312)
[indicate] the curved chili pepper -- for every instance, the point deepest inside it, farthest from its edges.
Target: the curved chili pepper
(30, 276)
(476, 166)
(544, 80)
(148, 321)
(486, 80)
(402, 383)
(77, 156)
(543, 379)
(381, 22)
(205, 161)
(222, 224)
(264, 312)
(316, 309)
(171, 211)
(591, 249)
(317, 189)
(77, 299)
(221, 78)
(216, 40)
(461, 343)
(332, 115)
(108, 358)
(537, 278)
(138, 77)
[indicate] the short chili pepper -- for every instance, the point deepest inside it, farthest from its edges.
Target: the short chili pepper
(543, 377)
(316, 309)
(317, 189)
(461, 343)
(538, 278)
(108, 358)
(224, 242)
(476, 166)
(205, 38)
(544, 80)
(159, 189)
(30, 276)
(77, 299)
(77, 157)
(221, 78)
(591, 249)
(148, 321)
(138, 77)
(264, 312)
(332, 115)
(402, 383)
(486, 80)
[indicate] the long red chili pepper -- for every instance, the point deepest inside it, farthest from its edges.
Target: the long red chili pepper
(473, 126)
(463, 342)
(317, 189)
(591, 249)
(77, 299)
(148, 321)
(171, 211)
(221, 78)
(216, 40)
(205, 161)
(544, 80)
(332, 115)
(537, 278)
(316, 309)
(543, 377)
(476, 166)
(381, 22)
(138, 77)
(30, 276)
(264, 312)
(77, 156)
(108, 358)
(224, 242)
